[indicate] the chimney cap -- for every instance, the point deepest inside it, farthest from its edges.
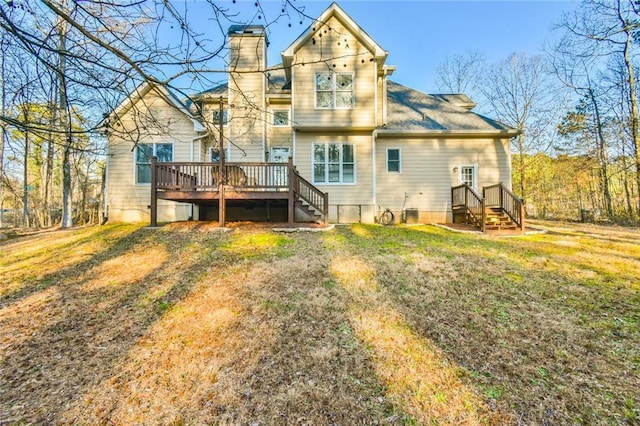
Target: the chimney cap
(246, 30)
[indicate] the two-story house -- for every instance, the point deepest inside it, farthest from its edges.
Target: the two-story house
(327, 125)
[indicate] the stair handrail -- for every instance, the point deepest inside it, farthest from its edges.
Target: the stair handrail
(472, 202)
(306, 191)
(509, 203)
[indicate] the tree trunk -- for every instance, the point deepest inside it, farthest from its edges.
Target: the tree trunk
(602, 157)
(633, 97)
(65, 127)
(25, 186)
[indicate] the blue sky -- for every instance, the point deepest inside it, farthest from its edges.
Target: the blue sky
(419, 34)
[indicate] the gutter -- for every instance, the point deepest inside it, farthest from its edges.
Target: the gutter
(448, 133)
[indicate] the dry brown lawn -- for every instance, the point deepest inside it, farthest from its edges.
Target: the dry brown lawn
(184, 324)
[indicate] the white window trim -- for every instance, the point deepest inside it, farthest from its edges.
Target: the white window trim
(226, 152)
(135, 163)
(334, 73)
(475, 174)
(399, 160)
(216, 123)
(326, 145)
(288, 148)
(273, 115)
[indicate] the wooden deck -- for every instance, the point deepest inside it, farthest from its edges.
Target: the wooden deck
(201, 183)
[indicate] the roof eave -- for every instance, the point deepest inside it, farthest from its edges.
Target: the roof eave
(510, 133)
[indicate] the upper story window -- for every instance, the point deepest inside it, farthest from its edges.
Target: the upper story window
(281, 118)
(144, 152)
(334, 90)
(393, 160)
(216, 116)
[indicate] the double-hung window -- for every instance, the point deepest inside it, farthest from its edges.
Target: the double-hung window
(144, 152)
(333, 163)
(393, 160)
(334, 90)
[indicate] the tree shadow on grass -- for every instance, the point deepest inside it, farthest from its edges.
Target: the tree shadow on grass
(537, 341)
(70, 329)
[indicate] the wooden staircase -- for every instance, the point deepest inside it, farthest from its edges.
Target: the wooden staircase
(497, 209)
(496, 219)
(305, 213)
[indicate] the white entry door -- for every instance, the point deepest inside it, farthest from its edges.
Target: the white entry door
(280, 155)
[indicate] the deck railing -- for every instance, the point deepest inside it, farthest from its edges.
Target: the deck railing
(463, 196)
(501, 197)
(240, 177)
(191, 176)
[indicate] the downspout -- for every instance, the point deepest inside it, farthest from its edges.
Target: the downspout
(375, 95)
(293, 115)
(374, 174)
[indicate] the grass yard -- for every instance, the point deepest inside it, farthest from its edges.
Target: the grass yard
(122, 324)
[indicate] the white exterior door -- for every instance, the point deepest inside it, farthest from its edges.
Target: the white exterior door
(280, 155)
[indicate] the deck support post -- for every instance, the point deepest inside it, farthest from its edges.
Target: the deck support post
(154, 191)
(484, 211)
(291, 199)
(222, 207)
(325, 213)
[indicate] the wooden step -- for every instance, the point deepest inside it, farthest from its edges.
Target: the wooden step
(309, 211)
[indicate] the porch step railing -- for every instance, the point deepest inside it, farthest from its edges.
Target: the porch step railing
(305, 191)
(500, 197)
(496, 204)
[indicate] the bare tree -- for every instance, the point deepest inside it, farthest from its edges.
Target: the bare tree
(520, 93)
(461, 73)
(596, 32)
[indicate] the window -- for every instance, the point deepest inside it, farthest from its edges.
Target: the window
(333, 163)
(144, 152)
(468, 175)
(214, 154)
(393, 160)
(280, 118)
(216, 117)
(334, 90)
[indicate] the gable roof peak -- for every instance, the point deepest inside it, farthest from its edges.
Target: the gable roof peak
(334, 10)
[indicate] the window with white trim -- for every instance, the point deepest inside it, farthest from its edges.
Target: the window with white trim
(334, 90)
(468, 175)
(281, 118)
(143, 154)
(393, 160)
(215, 117)
(214, 154)
(333, 163)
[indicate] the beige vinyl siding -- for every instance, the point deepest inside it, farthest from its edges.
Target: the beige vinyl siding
(247, 97)
(427, 172)
(359, 194)
(128, 201)
(335, 50)
(279, 136)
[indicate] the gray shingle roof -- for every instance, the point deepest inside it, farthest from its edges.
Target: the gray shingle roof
(409, 109)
